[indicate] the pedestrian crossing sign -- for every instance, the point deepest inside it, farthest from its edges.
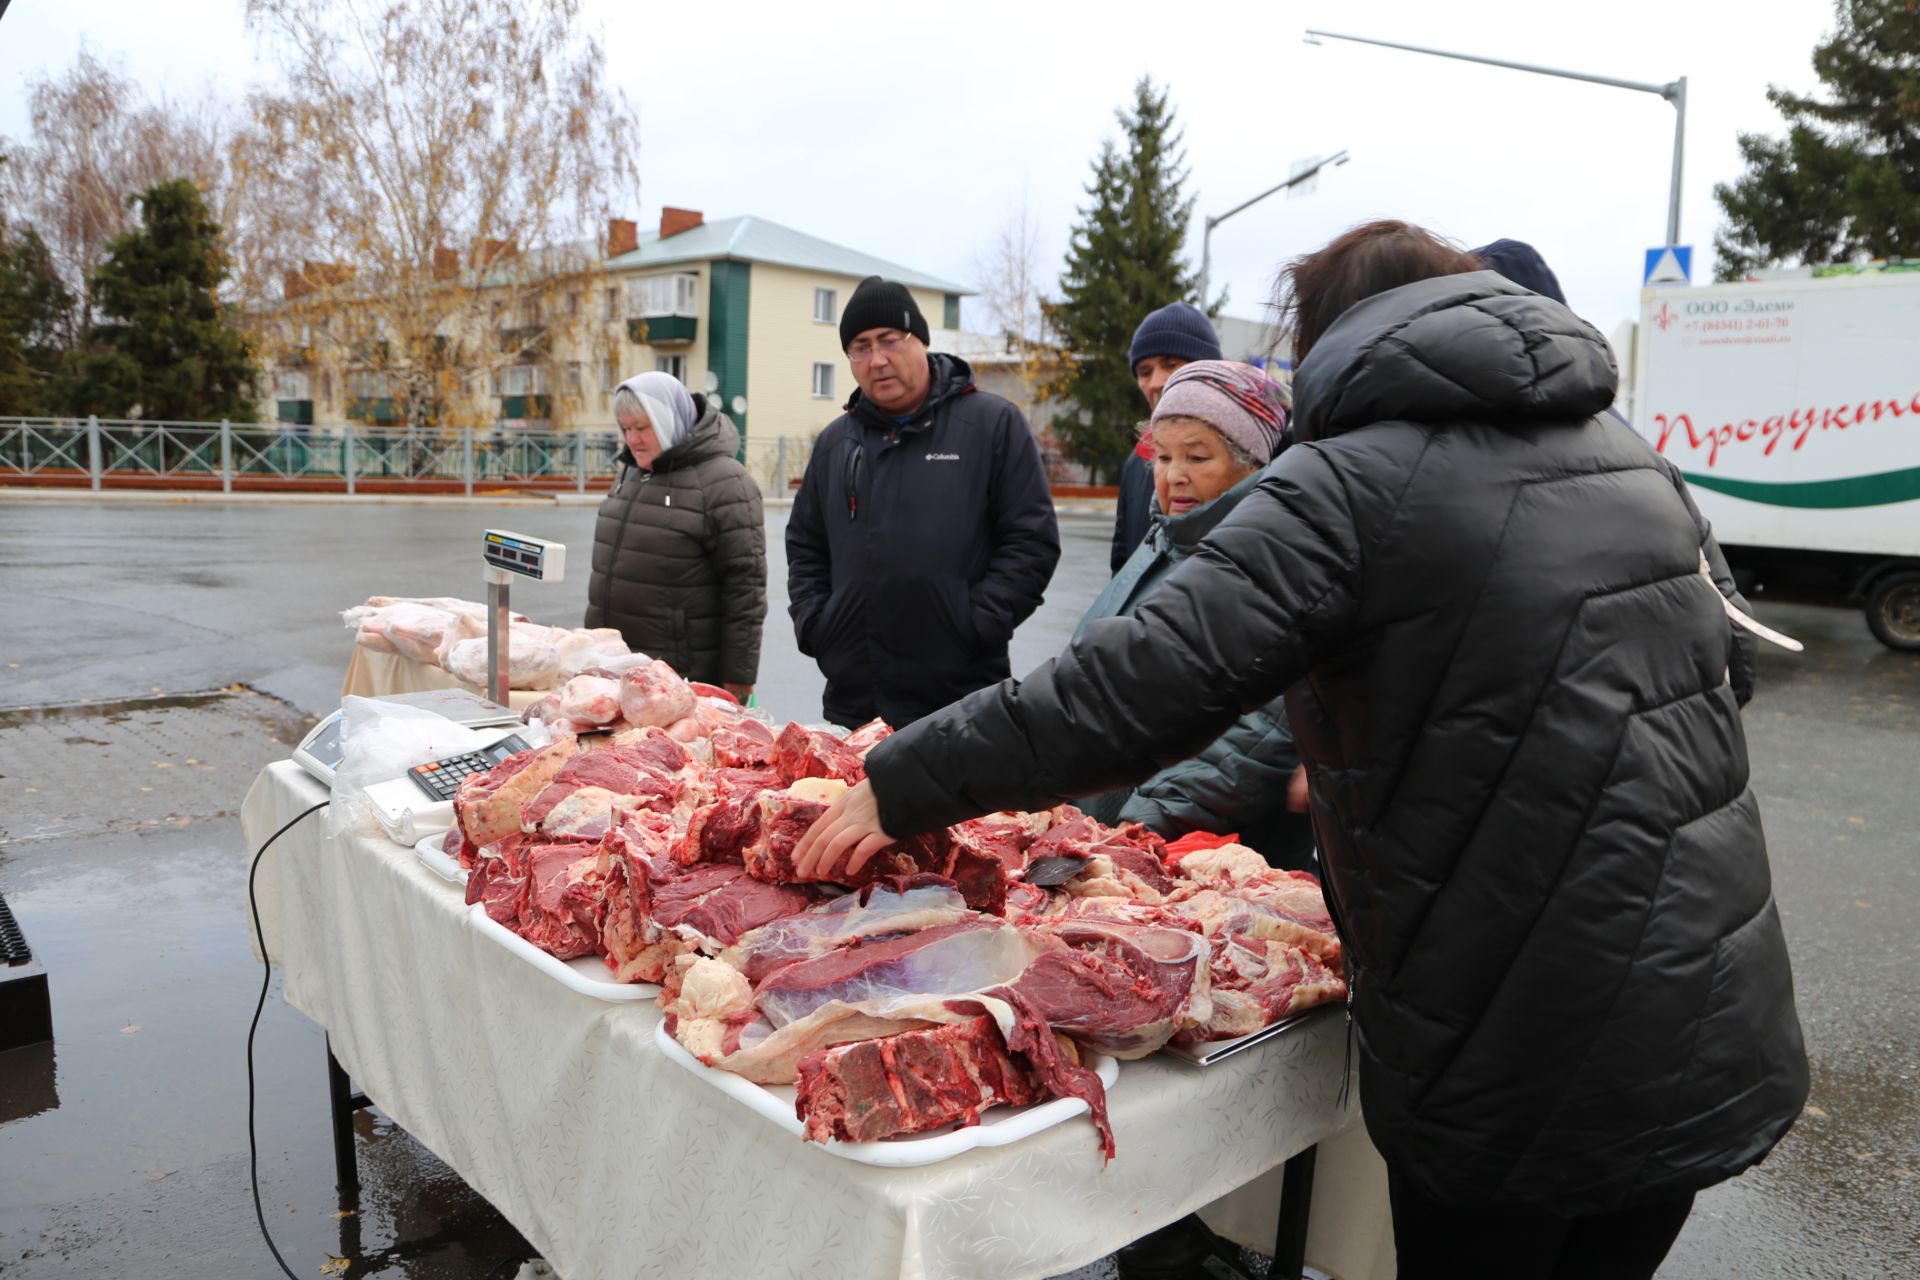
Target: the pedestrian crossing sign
(1669, 264)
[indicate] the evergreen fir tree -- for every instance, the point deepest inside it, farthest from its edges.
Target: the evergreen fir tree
(1123, 260)
(36, 326)
(1845, 181)
(165, 327)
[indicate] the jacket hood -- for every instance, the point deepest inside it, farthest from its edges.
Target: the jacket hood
(951, 376)
(712, 435)
(1473, 347)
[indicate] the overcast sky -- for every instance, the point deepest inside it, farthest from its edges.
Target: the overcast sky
(914, 130)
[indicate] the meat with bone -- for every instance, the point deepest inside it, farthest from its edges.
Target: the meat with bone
(1255, 984)
(900, 905)
(635, 948)
(868, 736)
(487, 806)
(498, 878)
(970, 954)
(912, 1082)
(563, 896)
(1120, 988)
(800, 752)
(739, 740)
(654, 695)
(721, 829)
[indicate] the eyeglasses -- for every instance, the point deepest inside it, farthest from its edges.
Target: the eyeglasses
(890, 343)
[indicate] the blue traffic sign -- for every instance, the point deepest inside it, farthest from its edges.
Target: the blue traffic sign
(1669, 264)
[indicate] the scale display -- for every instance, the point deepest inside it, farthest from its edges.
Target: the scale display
(527, 556)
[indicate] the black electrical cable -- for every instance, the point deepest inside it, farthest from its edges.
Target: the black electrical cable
(266, 980)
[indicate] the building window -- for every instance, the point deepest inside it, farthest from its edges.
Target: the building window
(609, 375)
(822, 380)
(953, 311)
(826, 306)
(574, 383)
(573, 302)
(294, 384)
(672, 295)
(520, 380)
(675, 365)
(613, 302)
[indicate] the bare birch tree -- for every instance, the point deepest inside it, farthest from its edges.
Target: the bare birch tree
(1013, 286)
(429, 183)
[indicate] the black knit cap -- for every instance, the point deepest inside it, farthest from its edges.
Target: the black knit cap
(880, 304)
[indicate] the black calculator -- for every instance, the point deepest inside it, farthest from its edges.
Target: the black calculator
(441, 778)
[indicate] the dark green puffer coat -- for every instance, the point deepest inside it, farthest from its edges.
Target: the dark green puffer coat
(680, 556)
(1517, 698)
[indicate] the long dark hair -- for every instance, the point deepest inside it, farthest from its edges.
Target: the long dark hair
(1314, 289)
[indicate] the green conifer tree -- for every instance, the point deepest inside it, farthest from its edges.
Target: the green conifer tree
(1123, 260)
(164, 327)
(1845, 181)
(36, 326)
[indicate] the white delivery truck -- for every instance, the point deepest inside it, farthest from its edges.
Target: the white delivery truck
(1792, 405)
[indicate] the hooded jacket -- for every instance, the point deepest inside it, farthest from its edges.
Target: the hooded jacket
(1238, 783)
(915, 548)
(1515, 693)
(680, 556)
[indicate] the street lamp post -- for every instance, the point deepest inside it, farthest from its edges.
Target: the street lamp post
(1206, 234)
(1674, 92)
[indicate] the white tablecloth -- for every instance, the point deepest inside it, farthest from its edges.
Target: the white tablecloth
(616, 1162)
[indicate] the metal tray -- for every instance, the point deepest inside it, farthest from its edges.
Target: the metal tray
(1212, 1051)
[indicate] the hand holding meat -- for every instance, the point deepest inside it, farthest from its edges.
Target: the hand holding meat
(843, 838)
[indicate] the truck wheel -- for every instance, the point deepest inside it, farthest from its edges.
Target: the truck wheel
(1893, 611)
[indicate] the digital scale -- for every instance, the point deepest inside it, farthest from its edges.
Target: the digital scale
(420, 801)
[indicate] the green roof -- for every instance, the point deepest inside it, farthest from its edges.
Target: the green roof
(750, 239)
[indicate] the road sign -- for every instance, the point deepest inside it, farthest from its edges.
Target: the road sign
(1669, 264)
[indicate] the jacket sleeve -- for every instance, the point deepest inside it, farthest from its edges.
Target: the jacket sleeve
(1026, 537)
(809, 564)
(1743, 652)
(737, 534)
(1237, 783)
(1229, 630)
(1131, 510)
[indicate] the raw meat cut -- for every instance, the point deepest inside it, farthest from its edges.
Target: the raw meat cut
(912, 1082)
(900, 905)
(563, 893)
(581, 649)
(654, 695)
(868, 736)
(1122, 989)
(721, 829)
(487, 806)
(800, 752)
(1256, 984)
(590, 698)
(635, 948)
(784, 817)
(970, 954)
(739, 740)
(581, 798)
(532, 659)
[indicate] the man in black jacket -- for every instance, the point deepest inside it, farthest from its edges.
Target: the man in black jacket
(1167, 340)
(923, 532)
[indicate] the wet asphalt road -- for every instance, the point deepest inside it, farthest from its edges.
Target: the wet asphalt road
(124, 1148)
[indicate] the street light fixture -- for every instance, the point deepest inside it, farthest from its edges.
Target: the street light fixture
(1206, 235)
(1674, 92)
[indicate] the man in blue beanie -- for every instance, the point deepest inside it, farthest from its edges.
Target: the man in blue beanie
(1521, 263)
(1177, 334)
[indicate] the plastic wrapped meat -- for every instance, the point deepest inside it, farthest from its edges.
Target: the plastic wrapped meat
(581, 649)
(415, 631)
(904, 905)
(532, 659)
(951, 959)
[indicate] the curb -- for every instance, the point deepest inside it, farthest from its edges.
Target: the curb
(1077, 508)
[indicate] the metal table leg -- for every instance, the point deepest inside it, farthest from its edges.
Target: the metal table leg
(1296, 1203)
(343, 1102)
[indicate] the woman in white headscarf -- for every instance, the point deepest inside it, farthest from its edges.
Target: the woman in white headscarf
(679, 550)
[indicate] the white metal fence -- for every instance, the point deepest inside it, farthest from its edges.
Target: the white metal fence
(101, 453)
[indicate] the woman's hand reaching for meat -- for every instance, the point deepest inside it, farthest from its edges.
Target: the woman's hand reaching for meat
(842, 840)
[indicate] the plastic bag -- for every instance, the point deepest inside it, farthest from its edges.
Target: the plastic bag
(380, 741)
(532, 659)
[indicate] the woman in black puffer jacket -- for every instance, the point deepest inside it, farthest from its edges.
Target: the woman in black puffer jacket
(680, 547)
(1516, 692)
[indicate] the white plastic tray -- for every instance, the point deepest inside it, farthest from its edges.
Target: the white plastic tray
(587, 974)
(998, 1125)
(437, 860)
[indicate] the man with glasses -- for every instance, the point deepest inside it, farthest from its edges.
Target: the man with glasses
(923, 532)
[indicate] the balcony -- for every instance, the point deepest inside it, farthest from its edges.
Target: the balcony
(662, 331)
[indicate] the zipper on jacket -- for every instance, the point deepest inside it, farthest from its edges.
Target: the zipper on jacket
(854, 465)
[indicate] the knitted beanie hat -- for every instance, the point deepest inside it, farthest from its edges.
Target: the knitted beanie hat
(880, 304)
(1180, 330)
(1237, 400)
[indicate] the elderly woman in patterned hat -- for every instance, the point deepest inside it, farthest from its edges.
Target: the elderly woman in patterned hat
(1217, 424)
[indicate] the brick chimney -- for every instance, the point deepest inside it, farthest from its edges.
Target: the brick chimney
(673, 221)
(623, 236)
